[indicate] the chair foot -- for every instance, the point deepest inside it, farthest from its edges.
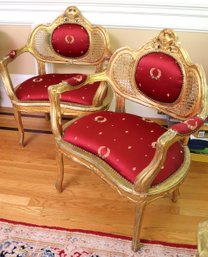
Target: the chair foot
(21, 140)
(175, 195)
(60, 174)
(136, 247)
(58, 187)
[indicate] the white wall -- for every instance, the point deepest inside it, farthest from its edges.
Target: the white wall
(189, 15)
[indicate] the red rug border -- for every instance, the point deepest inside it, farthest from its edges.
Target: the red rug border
(176, 245)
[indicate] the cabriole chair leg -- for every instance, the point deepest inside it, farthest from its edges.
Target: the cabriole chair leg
(60, 175)
(17, 116)
(137, 226)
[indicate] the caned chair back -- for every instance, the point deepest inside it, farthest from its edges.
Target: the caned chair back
(159, 75)
(69, 39)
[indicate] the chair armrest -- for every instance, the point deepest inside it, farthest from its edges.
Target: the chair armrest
(177, 132)
(13, 54)
(54, 97)
(188, 126)
(145, 178)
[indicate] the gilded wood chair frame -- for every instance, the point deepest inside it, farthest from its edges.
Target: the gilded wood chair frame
(141, 192)
(202, 239)
(97, 56)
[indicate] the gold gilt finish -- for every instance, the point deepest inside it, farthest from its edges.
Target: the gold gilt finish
(120, 75)
(39, 45)
(202, 238)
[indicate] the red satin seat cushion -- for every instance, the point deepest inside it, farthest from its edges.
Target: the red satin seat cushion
(160, 77)
(125, 141)
(36, 88)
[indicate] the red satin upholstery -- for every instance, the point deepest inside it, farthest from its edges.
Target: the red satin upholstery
(188, 126)
(36, 88)
(125, 141)
(159, 77)
(12, 54)
(70, 40)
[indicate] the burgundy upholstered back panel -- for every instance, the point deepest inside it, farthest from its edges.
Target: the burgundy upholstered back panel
(70, 40)
(159, 77)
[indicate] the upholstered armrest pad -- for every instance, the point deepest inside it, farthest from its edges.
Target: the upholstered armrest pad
(76, 80)
(12, 54)
(189, 126)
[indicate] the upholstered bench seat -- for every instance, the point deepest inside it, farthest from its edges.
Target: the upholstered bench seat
(128, 150)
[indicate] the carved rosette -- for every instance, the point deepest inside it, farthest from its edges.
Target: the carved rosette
(166, 40)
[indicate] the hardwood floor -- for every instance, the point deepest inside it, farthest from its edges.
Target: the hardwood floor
(27, 191)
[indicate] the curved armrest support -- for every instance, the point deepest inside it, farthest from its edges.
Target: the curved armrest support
(54, 97)
(55, 110)
(13, 54)
(180, 131)
(145, 178)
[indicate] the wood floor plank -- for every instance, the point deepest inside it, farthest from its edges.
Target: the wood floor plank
(27, 193)
(14, 199)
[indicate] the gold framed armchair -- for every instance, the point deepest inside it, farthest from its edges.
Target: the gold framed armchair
(69, 39)
(136, 156)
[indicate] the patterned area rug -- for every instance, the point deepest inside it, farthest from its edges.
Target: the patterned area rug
(26, 240)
